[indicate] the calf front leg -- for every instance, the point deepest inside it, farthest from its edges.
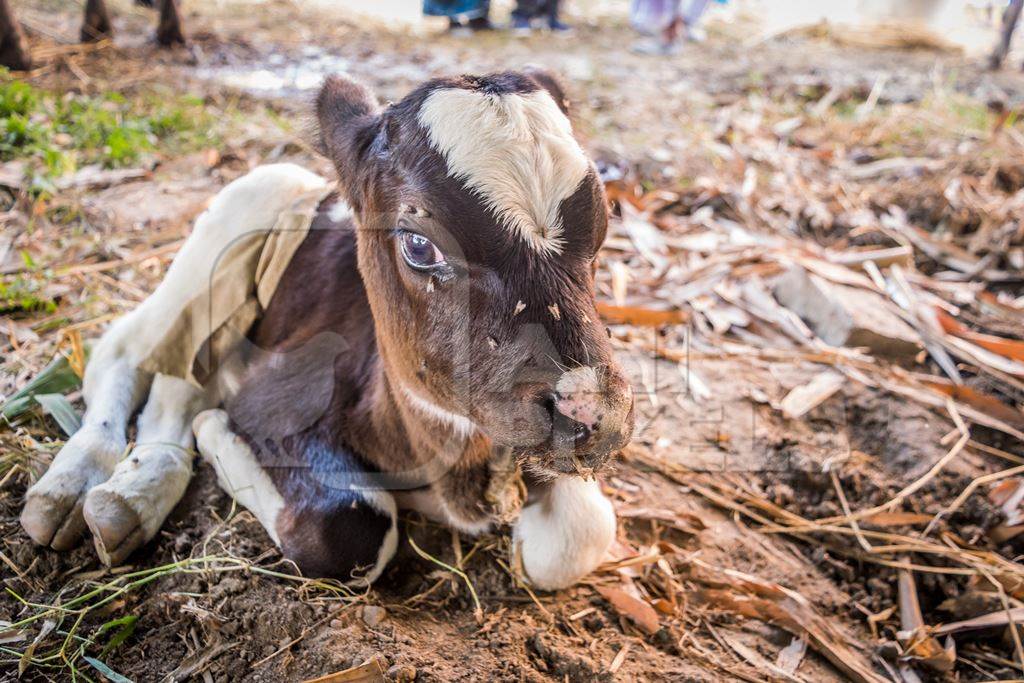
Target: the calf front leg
(115, 386)
(563, 532)
(129, 508)
(311, 510)
(113, 389)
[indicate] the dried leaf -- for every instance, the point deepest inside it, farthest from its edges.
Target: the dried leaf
(897, 519)
(26, 656)
(641, 317)
(683, 521)
(368, 672)
(620, 281)
(11, 635)
(986, 403)
(1009, 348)
(648, 241)
(791, 656)
(634, 609)
(756, 659)
(806, 397)
(991, 620)
(95, 177)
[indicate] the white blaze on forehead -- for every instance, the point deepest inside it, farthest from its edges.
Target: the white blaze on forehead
(515, 150)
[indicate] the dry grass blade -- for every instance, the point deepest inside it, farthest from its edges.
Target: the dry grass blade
(198, 662)
(990, 620)
(919, 643)
(478, 611)
(837, 485)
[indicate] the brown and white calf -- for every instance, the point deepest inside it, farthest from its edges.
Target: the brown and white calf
(439, 314)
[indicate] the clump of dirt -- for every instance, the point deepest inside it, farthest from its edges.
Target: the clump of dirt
(897, 433)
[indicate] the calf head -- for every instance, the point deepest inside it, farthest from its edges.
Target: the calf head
(479, 218)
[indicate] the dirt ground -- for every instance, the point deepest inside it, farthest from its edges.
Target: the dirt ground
(734, 556)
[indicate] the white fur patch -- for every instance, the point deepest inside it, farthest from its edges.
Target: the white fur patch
(250, 204)
(563, 537)
(515, 150)
(461, 425)
(384, 503)
(339, 211)
(239, 473)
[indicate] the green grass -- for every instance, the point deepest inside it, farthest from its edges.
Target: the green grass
(58, 133)
(25, 294)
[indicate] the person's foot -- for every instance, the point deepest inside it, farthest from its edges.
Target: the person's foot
(521, 26)
(457, 29)
(653, 46)
(695, 34)
(557, 26)
(480, 24)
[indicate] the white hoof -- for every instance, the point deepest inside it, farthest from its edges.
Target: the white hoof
(563, 537)
(128, 509)
(52, 515)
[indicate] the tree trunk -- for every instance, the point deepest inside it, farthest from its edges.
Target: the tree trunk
(14, 52)
(96, 25)
(168, 31)
(1011, 15)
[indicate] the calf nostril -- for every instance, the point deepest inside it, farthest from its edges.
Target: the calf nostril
(581, 433)
(564, 424)
(549, 401)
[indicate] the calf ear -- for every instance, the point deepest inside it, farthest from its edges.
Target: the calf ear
(348, 116)
(548, 81)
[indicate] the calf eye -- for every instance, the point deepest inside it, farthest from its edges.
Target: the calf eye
(418, 251)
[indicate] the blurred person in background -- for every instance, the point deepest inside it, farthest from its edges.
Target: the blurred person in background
(463, 15)
(527, 11)
(666, 21)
